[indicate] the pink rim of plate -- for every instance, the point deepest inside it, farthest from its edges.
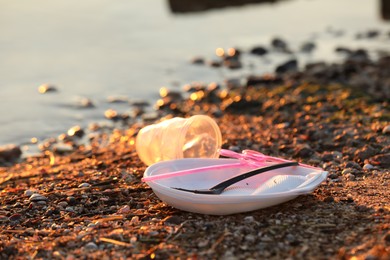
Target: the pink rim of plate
(246, 158)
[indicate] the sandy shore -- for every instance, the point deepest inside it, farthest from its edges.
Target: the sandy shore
(89, 201)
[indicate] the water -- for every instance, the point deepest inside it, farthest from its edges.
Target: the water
(99, 48)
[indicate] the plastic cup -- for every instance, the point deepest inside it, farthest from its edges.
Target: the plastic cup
(195, 137)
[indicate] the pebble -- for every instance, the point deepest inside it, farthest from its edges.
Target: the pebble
(259, 50)
(91, 246)
(46, 88)
(368, 166)
(175, 220)
(250, 238)
(350, 177)
(386, 130)
(63, 204)
(117, 99)
(124, 210)
(198, 60)
(37, 197)
(346, 171)
(76, 131)
(308, 47)
(84, 185)
(84, 103)
(279, 44)
(62, 148)
(291, 65)
(29, 192)
(249, 219)
(10, 153)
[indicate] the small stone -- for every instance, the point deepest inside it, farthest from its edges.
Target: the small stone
(291, 65)
(198, 61)
(84, 185)
(117, 99)
(368, 167)
(69, 209)
(249, 219)
(175, 220)
(279, 44)
(250, 238)
(91, 246)
(354, 165)
(350, 177)
(259, 50)
(346, 171)
(76, 131)
(71, 200)
(124, 210)
(10, 153)
(386, 130)
(62, 148)
(304, 152)
(329, 199)
(45, 88)
(63, 204)
(333, 176)
(29, 192)
(382, 160)
(134, 220)
(37, 197)
(308, 47)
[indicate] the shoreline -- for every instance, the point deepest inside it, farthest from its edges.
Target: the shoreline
(88, 201)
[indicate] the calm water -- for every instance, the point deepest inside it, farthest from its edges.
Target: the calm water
(100, 48)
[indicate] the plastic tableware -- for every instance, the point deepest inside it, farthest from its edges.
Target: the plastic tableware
(195, 137)
(259, 191)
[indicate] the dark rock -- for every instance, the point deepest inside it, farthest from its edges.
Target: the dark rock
(304, 152)
(10, 153)
(198, 61)
(308, 47)
(175, 220)
(329, 199)
(343, 50)
(279, 44)
(291, 65)
(366, 152)
(232, 62)
(382, 160)
(327, 157)
(354, 165)
(263, 80)
(259, 50)
(242, 106)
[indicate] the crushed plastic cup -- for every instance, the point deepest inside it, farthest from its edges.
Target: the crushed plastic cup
(176, 138)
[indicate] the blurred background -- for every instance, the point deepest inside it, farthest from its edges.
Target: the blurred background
(91, 50)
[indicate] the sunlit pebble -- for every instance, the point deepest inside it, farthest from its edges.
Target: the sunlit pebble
(386, 130)
(86, 103)
(45, 88)
(220, 52)
(134, 220)
(111, 114)
(163, 92)
(368, 166)
(37, 197)
(29, 192)
(63, 148)
(76, 131)
(84, 185)
(34, 140)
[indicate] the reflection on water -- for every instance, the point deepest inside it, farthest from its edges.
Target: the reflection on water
(185, 6)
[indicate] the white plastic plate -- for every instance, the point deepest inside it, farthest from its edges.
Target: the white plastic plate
(260, 191)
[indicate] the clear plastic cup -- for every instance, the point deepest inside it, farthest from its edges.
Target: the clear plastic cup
(195, 137)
